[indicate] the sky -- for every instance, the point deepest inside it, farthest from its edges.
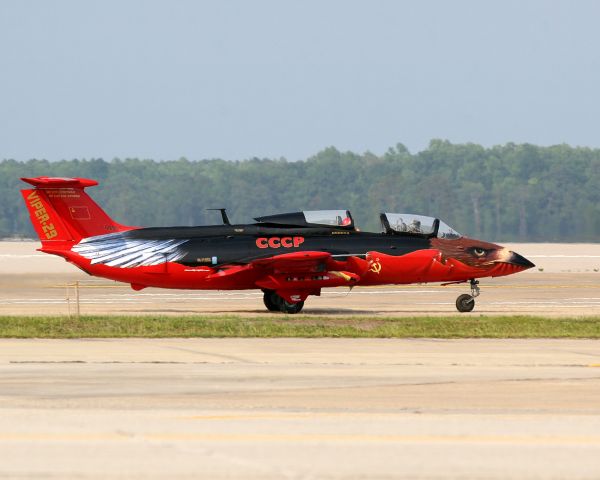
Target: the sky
(236, 79)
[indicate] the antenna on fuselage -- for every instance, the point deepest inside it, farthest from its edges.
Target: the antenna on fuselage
(223, 215)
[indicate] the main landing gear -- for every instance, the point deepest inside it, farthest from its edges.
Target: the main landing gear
(275, 303)
(466, 302)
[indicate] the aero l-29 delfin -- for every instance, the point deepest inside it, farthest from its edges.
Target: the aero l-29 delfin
(288, 256)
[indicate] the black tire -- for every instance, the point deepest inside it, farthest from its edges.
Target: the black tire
(465, 303)
(272, 301)
(291, 307)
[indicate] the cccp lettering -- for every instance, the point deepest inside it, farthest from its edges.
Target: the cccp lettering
(278, 242)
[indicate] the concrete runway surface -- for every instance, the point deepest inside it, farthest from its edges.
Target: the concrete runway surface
(299, 409)
(566, 281)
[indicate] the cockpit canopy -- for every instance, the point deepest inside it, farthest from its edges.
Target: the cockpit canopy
(330, 218)
(334, 218)
(420, 225)
(393, 223)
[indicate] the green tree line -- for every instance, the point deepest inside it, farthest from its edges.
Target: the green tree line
(504, 193)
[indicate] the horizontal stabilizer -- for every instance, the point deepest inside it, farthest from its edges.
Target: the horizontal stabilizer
(57, 182)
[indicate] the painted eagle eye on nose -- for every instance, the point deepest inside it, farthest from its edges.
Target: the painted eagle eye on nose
(479, 252)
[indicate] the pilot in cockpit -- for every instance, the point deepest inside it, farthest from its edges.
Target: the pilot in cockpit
(344, 222)
(401, 226)
(415, 227)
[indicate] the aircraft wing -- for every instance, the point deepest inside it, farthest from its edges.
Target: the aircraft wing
(294, 276)
(307, 262)
(307, 271)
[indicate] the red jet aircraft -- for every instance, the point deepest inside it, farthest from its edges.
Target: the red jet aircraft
(288, 256)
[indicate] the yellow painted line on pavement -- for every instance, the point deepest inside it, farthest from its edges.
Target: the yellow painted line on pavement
(251, 416)
(61, 437)
(531, 440)
(516, 440)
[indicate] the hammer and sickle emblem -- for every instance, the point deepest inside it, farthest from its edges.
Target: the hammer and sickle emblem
(376, 267)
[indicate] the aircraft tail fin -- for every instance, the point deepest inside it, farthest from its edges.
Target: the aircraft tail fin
(61, 211)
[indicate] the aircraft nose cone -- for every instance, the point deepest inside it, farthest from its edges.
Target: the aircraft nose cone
(519, 260)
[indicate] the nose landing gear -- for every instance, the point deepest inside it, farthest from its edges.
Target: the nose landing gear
(466, 302)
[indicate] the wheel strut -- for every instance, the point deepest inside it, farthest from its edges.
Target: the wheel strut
(475, 290)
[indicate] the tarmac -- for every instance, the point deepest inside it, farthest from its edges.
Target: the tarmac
(301, 408)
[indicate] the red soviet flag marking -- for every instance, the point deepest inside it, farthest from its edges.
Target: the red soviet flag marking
(80, 213)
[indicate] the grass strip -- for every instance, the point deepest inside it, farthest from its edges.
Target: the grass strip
(207, 326)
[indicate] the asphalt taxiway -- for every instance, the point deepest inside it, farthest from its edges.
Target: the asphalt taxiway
(299, 408)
